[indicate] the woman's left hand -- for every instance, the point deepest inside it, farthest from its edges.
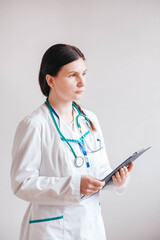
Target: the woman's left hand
(120, 176)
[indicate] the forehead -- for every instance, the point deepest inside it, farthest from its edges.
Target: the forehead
(75, 66)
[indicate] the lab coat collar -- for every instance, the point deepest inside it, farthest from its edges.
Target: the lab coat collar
(67, 130)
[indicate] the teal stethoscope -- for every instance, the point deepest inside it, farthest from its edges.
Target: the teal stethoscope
(79, 161)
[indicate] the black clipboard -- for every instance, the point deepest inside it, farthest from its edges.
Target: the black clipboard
(126, 163)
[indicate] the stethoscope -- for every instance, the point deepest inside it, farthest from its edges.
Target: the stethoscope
(79, 160)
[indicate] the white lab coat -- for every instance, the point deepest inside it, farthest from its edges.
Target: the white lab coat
(43, 173)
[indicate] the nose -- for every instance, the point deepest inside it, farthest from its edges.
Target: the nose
(81, 81)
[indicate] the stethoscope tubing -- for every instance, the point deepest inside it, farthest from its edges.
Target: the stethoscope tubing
(63, 137)
(79, 161)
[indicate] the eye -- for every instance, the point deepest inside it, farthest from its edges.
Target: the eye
(72, 75)
(84, 73)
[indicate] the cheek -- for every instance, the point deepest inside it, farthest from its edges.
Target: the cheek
(65, 87)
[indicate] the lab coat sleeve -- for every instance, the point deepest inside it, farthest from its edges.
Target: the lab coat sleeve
(26, 181)
(105, 168)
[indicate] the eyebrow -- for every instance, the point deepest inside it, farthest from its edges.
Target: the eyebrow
(77, 72)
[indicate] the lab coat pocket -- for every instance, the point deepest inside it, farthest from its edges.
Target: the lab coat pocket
(46, 229)
(46, 223)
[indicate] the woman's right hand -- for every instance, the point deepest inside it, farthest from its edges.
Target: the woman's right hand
(90, 185)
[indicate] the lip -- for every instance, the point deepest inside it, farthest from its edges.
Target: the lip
(81, 91)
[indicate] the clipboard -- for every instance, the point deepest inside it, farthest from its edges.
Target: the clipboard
(126, 163)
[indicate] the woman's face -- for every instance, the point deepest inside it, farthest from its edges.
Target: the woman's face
(70, 82)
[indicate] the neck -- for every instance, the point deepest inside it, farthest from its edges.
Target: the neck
(63, 108)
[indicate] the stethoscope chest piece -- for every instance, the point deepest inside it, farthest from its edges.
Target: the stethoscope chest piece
(79, 161)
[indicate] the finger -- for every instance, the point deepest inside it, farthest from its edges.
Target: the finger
(114, 180)
(96, 182)
(123, 173)
(103, 183)
(126, 171)
(118, 177)
(90, 191)
(94, 188)
(130, 166)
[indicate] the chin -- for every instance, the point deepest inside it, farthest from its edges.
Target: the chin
(77, 97)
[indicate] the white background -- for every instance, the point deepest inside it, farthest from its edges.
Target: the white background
(121, 42)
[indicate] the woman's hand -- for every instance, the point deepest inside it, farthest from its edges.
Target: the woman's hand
(90, 185)
(120, 176)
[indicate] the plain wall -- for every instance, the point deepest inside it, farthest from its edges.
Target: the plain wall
(121, 42)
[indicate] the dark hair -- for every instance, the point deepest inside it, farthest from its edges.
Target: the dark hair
(53, 60)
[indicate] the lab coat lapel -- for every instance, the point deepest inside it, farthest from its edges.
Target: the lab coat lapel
(66, 130)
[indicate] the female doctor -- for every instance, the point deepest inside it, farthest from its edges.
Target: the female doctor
(59, 156)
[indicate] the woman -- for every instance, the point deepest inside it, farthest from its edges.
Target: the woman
(55, 163)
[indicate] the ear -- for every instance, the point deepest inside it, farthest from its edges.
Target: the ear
(50, 80)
